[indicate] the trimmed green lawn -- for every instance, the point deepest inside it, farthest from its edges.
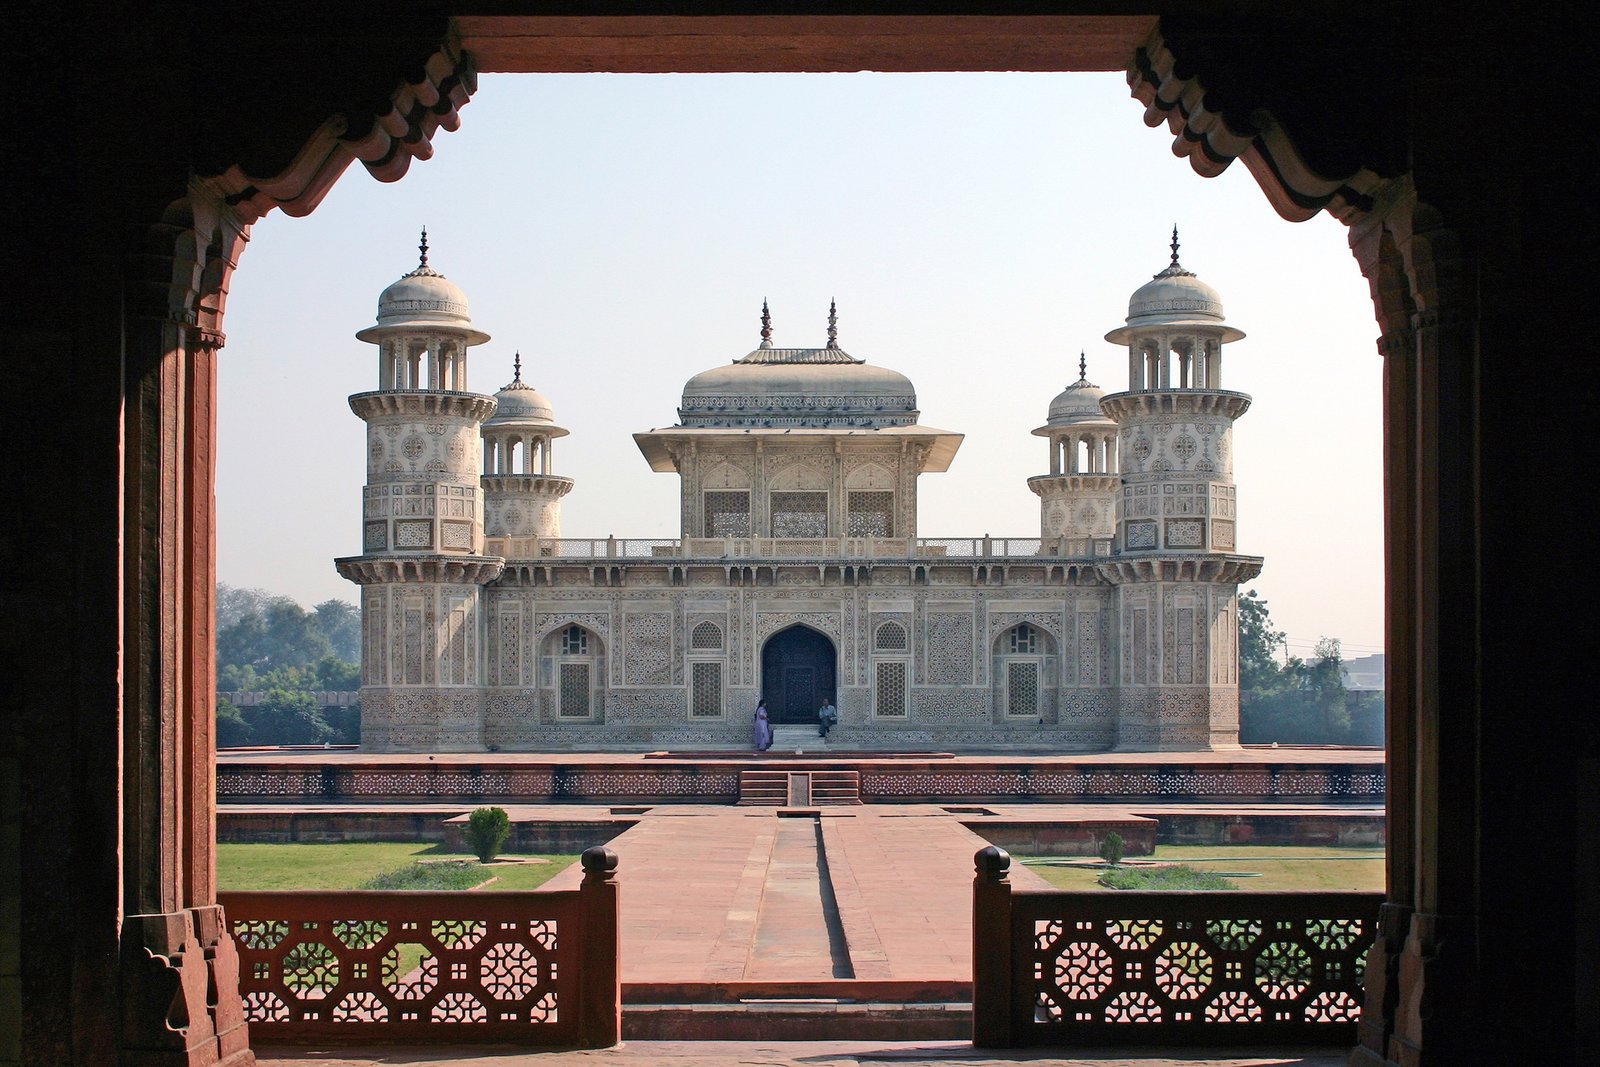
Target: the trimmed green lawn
(348, 866)
(1281, 867)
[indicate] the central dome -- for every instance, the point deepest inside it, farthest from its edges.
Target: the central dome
(810, 387)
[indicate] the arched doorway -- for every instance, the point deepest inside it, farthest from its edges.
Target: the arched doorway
(799, 669)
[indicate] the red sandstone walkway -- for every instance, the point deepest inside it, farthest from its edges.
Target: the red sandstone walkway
(713, 895)
(810, 1053)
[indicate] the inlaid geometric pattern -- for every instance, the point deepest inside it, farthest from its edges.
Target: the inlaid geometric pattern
(706, 683)
(889, 695)
(419, 968)
(706, 636)
(1282, 965)
(1022, 687)
(573, 698)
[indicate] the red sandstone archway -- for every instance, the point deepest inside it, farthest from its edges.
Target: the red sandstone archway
(180, 274)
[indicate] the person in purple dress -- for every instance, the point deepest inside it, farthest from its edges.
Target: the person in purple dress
(763, 728)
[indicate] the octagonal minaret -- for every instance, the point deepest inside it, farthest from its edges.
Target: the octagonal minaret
(1078, 498)
(1174, 561)
(521, 493)
(422, 567)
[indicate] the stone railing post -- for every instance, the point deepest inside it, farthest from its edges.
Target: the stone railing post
(992, 994)
(600, 969)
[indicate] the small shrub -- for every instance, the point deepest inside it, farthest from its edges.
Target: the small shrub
(1111, 848)
(487, 830)
(456, 875)
(1178, 876)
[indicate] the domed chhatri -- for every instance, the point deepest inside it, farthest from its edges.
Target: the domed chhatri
(799, 387)
(1077, 507)
(1173, 299)
(519, 405)
(423, 299)
(1077, 403)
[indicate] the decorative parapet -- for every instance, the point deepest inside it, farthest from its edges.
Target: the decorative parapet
(1060, 968)
(1124, 406)
(445, 570)
(830, 550)
(421, 403)
(1179, 567)
(538, 969)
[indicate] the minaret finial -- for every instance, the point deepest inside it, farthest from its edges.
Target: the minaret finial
(516, 367)
(766, 325)
(833, 323)
(423, 248)
(1083, 366)
(1175, 244)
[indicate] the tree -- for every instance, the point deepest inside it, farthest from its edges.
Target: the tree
(1324, 682)
(336, 675)
(232, 730)
(340, 622)
(288, 718)
(1258, 643)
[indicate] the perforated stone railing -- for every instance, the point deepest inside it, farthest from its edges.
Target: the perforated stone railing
(553, 548)
(1063, 968)
(425, 968)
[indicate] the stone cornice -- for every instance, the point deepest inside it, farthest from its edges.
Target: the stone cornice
(446, 570)
(420, 403)
(1126, 406)
(1180, 567)
(1062, 484)
(543, 484)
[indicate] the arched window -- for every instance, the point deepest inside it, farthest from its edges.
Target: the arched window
(1022, 641)
(707, 636)
(891, 637)
(575, 641)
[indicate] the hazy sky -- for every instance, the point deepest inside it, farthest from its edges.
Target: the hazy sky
(978, 230)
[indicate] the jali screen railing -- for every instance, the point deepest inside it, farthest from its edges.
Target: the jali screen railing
(1064, 968)
(427, 968)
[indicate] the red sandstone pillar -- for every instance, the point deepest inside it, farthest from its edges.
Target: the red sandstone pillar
(180, 1002)
(992, 970)
(599, 944)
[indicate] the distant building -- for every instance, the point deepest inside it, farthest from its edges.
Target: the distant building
(800, 574)
(1364, 673)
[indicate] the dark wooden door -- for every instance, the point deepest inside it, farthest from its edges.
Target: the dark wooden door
(798, 672)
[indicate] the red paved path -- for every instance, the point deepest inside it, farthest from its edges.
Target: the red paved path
(714, 895)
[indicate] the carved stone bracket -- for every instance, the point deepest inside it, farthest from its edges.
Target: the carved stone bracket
(1205, 139)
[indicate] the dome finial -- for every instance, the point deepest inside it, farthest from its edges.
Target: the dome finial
(766, 325)
(1083, 366)
(422, 247)
(516, 369)
(833, 323)
(1174, 269)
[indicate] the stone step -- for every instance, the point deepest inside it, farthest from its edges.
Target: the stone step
(772, 787)
(820, 1019)
(769, 788)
